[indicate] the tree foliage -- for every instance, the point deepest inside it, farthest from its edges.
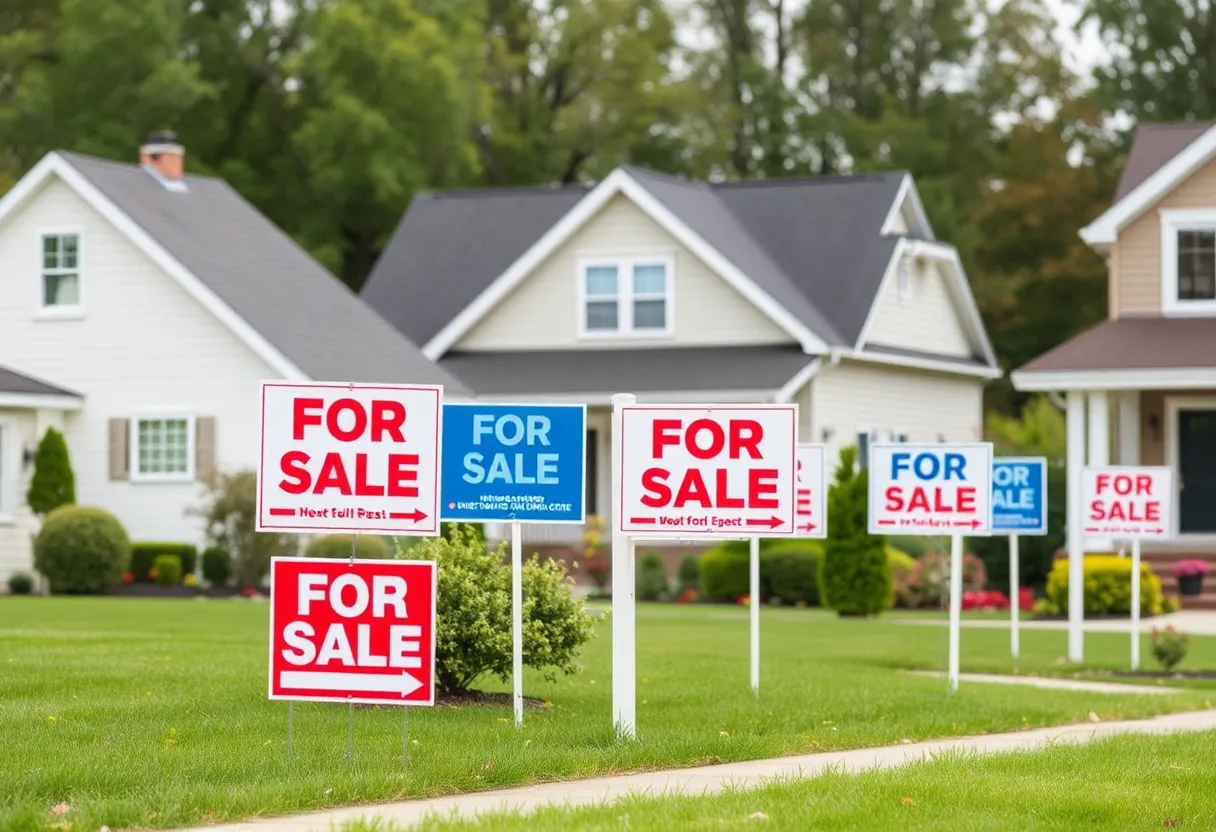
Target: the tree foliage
(854, 574)
(53, 484)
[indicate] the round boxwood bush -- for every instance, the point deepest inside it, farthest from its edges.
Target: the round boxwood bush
(651, 579)
(689, 574)
(19, 583)
(724, 573)
(167, 570)
(81, 550)
(217, 565)
(367, 546)
(790, 571)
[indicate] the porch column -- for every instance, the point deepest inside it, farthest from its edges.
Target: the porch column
(1129, 427)
(1099, 452)
(1075, 459)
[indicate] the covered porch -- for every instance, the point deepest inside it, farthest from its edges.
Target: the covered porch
(1141, 391)
(777, 373)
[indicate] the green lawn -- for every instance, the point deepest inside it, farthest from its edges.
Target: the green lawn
(1116, 785)
(140, 712)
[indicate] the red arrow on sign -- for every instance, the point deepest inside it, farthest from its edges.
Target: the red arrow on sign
(771, 522)
(809, 527)
(647, 520)
(414, 515)
(974, 523)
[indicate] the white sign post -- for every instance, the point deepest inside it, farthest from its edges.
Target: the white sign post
(694, 471)
(930, 489)
(1128, 502)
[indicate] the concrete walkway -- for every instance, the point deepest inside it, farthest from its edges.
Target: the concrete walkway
(1051, 684)
(1196, 622)
(713, 779)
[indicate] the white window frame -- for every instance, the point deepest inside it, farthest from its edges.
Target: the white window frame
(135, 474)
(625, 297)
(61, 311)
(905, 280)
(10, 452)
(1174, 220)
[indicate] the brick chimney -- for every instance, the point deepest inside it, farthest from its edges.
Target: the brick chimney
(162, 152)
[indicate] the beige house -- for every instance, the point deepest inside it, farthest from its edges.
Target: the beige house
(1141, 387)
(830, 292)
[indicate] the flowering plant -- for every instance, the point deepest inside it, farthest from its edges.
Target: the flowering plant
(128, 577)
(688, 596)
(980, 600)
(190, 580)
(1169, 646)
(595, 562)
(249, 592)
(1187, 568)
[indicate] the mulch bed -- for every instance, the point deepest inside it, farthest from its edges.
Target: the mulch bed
(141, 590)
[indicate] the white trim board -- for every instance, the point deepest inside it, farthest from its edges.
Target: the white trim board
(908, 192)
(1105, 229)
(39, 401)
(1168, 378)
(645, 397)
(1174, 405)
(956, 284)
(1174, 221)
(618, 182)
(54, 164)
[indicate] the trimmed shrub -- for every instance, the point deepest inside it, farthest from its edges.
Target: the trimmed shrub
(167, 570)
(854, 575)
(144, 553)
(53, 484)
(790, 571)
(1169, 647)
(367, 546)
(217, 565)
(900, 560)
(724, 572)
(473, 615)
(913, 545)
(651, 579)
(19, 583)
(1108, 587)
(478, 530)
(688, 576)
(927, 584)
(81, 550)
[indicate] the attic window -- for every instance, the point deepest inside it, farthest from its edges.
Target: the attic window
(1188, 261)
(904, 279)
(60, 277)
(625, 297)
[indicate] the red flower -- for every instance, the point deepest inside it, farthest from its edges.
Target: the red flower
(687, 596)
(249, 592)
(128, 577)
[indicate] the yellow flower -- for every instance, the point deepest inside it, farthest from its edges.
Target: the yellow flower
(724, 735)
(50, 719)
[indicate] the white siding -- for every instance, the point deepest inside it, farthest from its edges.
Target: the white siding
(17, 431)
(928, 320)
(543, 311)
(855, 396)
(143, 345)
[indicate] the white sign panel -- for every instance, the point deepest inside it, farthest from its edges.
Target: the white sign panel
(359, 458)
(1127, 501)
(708, 470)
(942, 489)
(810, 493)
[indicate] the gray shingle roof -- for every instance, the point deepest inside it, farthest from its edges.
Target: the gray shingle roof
(669, 370)
(305, 312)
(813, 245)
(12, 381)
(1153, 146)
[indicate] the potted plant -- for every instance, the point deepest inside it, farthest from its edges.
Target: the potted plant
(1190, 576)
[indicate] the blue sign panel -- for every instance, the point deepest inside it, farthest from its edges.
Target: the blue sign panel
(1019, 495)
(514, 462)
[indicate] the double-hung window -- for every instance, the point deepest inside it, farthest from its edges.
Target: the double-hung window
(162, 448)
(626, 296)
(1188, 261)
(60, 279)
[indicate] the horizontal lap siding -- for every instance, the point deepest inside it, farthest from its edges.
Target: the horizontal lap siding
(543, 311)
(928, 320)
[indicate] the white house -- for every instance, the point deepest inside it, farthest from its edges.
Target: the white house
(139, 309)
(831, 292)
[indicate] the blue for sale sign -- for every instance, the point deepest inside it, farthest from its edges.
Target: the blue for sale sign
(1019, 495)
(514, 462)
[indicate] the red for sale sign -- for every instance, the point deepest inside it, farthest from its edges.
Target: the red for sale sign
(1127, 501)
(361, 458)
(353, 631)
(709, 470)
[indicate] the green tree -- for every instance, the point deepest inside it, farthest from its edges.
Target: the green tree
(53, 484)
(854, 574)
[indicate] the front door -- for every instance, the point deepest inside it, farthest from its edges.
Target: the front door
(1197, 471)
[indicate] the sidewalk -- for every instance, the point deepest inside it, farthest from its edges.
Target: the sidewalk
(712, 779)
(1195, 622)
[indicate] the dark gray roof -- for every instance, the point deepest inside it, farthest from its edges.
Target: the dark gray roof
(1153, 146)
(12, 381)
(305, 312)
(813, 245)
(676, 369)
(903, 352)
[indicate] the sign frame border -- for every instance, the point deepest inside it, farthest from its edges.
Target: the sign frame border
(582, 487)
(260, 527)
(1042, 529)
(653, 536)
(1171, 526)
(870, 488)
(272, 696)
(822, 446)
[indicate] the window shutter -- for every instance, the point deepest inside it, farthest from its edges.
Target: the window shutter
(119, 459)
(204, 447)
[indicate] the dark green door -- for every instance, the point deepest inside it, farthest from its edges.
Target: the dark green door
(1197, 471)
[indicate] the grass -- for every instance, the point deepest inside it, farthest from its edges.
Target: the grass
(153, 713)
(1116, 785)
